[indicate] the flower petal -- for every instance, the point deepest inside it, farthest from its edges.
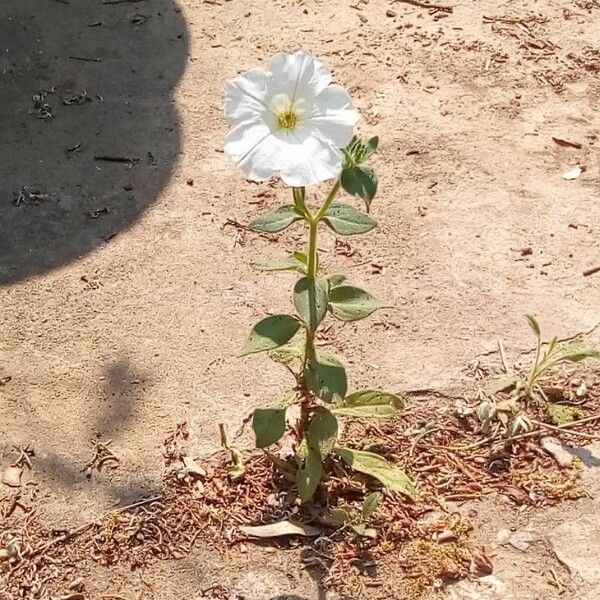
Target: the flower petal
(254, 149)
(306, 159)
(246, 95)
(298, 74)
(334, 117)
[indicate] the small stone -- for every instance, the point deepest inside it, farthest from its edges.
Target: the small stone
(503, 536)
(12, 476)
(575, 544)
(553, 447)
(190, 181)
(390, 13)
(446, 536)
(521, 540)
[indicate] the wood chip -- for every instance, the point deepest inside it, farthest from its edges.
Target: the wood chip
(566, 143)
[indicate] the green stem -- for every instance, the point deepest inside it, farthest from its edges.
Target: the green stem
(313, 226)
(312, 267)
(534, 371)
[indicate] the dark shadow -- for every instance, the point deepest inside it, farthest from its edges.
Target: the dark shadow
(585, 456)
(122, 391)
(82, 81)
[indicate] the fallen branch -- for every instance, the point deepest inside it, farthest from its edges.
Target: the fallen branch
(121, 1)
(420, 4)
(563, 429)
(96, 60)
(120, 159)
(591, 271)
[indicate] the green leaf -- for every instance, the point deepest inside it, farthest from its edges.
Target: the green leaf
(361, 182)
(369, 403)
(268, 425)
(364, 531)
(326, 377)
(535, 326)
(370, 504)
(578, 351)
(376, 466)
(301, 256)
(270, 333)
(310, 300)
(336, 280)
(339, 516)
(277, 220)
(322, 432)
(309, 476)
(346, 220)
(288, 263)
(350, 303)
(286, 354)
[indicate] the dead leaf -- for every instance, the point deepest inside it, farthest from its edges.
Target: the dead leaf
(481, 564)
(12, 476)
(193, 467)
(573, 173)
(281, 528)
(566, 143)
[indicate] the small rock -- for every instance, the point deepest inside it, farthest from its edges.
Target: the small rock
(575, 544)
(190, 181)
(503, 536)
(553, 447)
(446, 536)
(12, 476)
(390, 13)
(522, 539)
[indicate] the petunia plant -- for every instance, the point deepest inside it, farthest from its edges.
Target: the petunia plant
(291, 121)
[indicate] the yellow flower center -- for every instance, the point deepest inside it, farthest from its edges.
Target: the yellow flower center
(287, 119)
(287, 114)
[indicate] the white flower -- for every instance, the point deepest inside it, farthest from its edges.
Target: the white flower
(290, 120)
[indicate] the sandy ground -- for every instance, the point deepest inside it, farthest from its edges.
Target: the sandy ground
(125, 294)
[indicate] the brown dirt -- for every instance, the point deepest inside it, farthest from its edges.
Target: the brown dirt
(118, 324)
